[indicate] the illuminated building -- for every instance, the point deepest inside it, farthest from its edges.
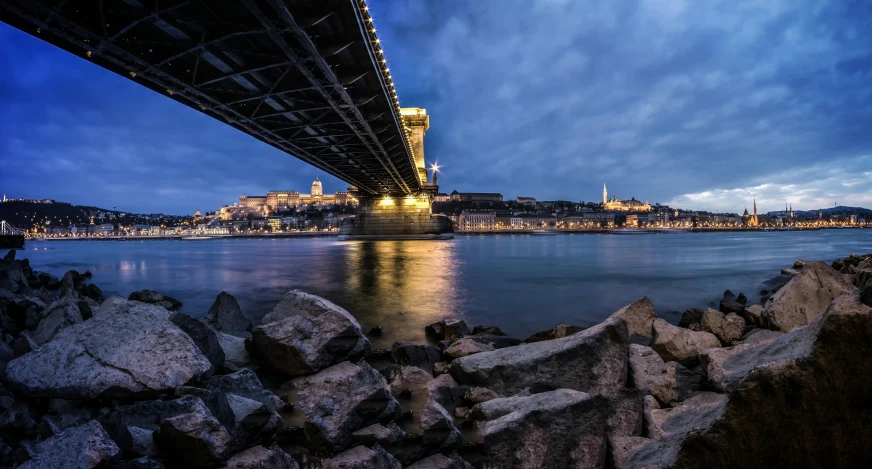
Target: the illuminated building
(751, 220)
(476, 197)
(282, 200)
(631, 205)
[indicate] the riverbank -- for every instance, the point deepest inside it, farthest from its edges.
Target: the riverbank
(137, 380)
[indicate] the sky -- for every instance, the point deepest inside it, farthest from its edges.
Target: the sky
(701, 104)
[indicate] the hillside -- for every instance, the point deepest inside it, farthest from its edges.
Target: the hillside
(30, 214)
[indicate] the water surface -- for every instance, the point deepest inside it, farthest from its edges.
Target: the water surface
(520, 283)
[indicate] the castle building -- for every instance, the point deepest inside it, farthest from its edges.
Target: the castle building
(275, 201)
(631, 205)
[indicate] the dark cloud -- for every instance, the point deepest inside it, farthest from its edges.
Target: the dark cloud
(705, 104)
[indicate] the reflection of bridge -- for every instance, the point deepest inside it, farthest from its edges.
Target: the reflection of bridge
(307, 77)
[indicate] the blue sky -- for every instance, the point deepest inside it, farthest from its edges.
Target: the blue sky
(700, 104)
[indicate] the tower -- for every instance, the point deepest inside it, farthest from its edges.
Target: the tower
(605, 195)
(417, 122)
(317, 191)
(755, 212)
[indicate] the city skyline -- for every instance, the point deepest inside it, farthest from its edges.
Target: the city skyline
(764, 100)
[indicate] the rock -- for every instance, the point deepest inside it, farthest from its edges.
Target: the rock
(361, 457)
(12, 278)
(726, 328)
(805, 297)
(790, 272)
(796, 385)
(115, 354)
(622, 447)
(248, 420)
(195, 439)
(695, 413)
(85, 446)
(447, 329)
(153, 297)
(729, 295)
(144, 462)
(440, 461)
(639, 316)
(594, 360)
(305, 333)
(404, 377)
(742, 299)
(422, 356)
(17, 417)
(379, 434)
(259, 457)
(438, 426)
(116, 304)
(690, 319)
(677, 344)
(482, 329)
(92, 291)
(236, 356)
(477, 395)
(479, 343)
(558, 332)
(440, 368)
(340, 400)
(203, 336)
(557, 429)
(760, 336)
(10, 256)
(799, 263)
(49, 281)
(444, 390)
(71, 283)
(728, 307)
(651, 375)
(754, 315)
(226, 316)
(132, 427)
(866, 294)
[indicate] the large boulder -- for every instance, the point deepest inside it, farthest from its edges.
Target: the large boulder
(155, 298)
(473, 344)
(226, 316)
(421, 356)
(236, 356)
(808, 384)
(557, 429)
(82, 447)
(447, 329)
(61, 314)
(115, 354)
(805, 296)
(677, 344)
(652, 375)
(693, 414)
(727, 328)
(340, 400)
(639, 316)
(203, 336)
(361, 457)
(195, 439)
(305, 333)
(401, 378)
(440, 434)
(594, 360)
(133, 427)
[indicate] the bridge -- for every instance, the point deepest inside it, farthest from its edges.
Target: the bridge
(308, 77)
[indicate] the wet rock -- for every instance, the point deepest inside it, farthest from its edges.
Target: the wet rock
(677, 344)
(379, 434)
(248, 420)
(742, 299)
(422, 356)
(49, 281)
(483, 329)
(729, 295)
(203, 336)
(790, 272)
(557, 429)
(340, 400)
(153, 297)
(727, 328)
(114, 354)
(71, 283)
(259, 457)
(438, 426)
(85, 446)
(405, 377)
(236, 356)
(557, 332)
(735, 307)
(305, 333)
(361, 457)
(477, 395)
(440, 368)
(444, 390)
(594, 360)
(132, 427)
(652, 375)
(440, 461)
(690, 319)
(479, 343)
(805, 297)
(195, 439)
(226, 316)
(447, 329)
(639, 316)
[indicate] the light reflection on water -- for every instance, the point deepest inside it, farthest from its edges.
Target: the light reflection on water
(521, 283)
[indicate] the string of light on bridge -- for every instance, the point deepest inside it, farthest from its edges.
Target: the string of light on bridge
(386, 72)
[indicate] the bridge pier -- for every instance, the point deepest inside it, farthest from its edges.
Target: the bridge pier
(396, 217)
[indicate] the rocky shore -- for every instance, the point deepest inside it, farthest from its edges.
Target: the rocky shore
(88, 381)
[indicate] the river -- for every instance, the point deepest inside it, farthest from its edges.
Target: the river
(520, 283)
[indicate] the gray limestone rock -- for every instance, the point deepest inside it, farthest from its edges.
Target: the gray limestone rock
(113, 354)
(59, 315)
(84, 447)
(652, 375)
(677, 344)
(236, 356)
(305, 333)
(805, 296)
(477, 395)
(340, 400)
(195, 439)
(438, 426)
(639, 316)
(226, 316)
(132, 427)
(153, 297)
(203, 336)
(594, 360)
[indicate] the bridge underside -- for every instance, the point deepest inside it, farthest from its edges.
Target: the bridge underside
(399, 217)
(305, 76)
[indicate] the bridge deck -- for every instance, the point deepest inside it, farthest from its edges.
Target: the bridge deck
(305, 76)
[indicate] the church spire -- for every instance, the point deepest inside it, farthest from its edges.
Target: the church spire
(605, 195)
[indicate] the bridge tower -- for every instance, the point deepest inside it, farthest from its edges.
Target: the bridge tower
(418, 122)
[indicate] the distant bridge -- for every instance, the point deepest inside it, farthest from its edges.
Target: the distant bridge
(305, 76)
